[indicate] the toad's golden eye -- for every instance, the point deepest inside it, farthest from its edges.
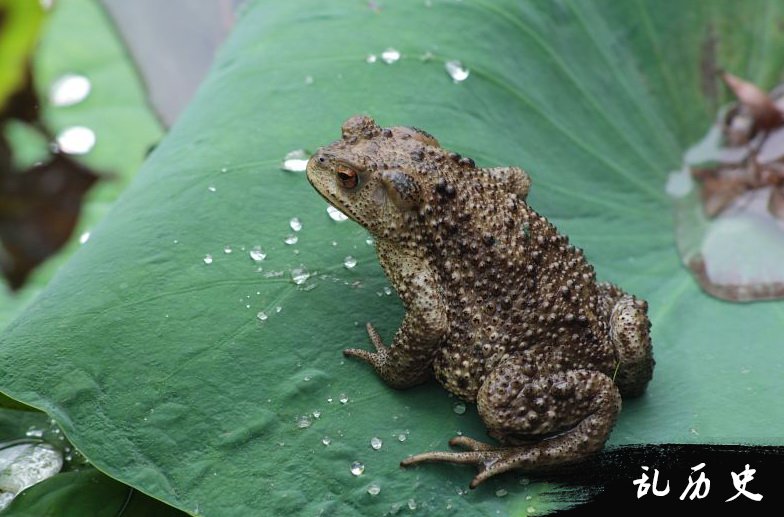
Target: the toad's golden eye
(348, 178)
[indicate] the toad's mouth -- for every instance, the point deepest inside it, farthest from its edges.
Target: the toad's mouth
(333, 202)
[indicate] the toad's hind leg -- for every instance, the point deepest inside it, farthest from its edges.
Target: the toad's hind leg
(630, 337)
(543, 419)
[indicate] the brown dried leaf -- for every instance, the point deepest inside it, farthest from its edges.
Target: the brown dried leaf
(38, 212)
(719, 193)
(765, 112)
(776, 201)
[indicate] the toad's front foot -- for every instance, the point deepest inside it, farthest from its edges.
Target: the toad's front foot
(375, 359)
(394, 365)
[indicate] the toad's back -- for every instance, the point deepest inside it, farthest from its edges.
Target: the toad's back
(510, 282)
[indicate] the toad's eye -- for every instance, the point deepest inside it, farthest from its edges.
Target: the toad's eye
(348, 178)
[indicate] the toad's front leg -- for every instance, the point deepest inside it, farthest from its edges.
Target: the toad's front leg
(543, 419)
(408, 361)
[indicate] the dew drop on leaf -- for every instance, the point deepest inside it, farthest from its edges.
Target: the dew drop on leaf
(299, 275)
(295, 161)
(357, 468)
(456, 71)
(390, 56)
(257, 254)
(335, 214)
(69, 89)
(76, 140)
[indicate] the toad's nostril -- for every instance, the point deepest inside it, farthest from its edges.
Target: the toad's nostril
(322, 159)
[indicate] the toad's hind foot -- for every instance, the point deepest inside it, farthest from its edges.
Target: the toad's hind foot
(489, 459)
(582, 406)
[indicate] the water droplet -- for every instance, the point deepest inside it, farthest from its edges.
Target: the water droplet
(262, 316)
(304, 422)
(69, 89)
(34, 432)
(224, 169)
(456, 71)
(371, 58)
(350, 262)
(459, 408)
(387, 290)
(211, 188)
(374, 489)
(329, 399)
(343, 398)
(295, 224)
(257, 254)
(390, 56)
(501, 492)
(401, 437)
(357, 468)
(76, 140)
(317, 414)
(376, 443)
(295, 161)
(334, 243)
(308, 79)
(208, 259)
(412, 504)
(227, 249)
(369, 241)
(530, 509)
(336, 215)
(278, 308)
(306, 378)
(84, 237)
(27, 464)
(291, 239)
(326, 440)
(299, 275)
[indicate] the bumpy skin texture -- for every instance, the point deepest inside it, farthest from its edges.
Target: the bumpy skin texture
(499, 306)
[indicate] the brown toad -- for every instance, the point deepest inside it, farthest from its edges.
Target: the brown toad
(499, 305)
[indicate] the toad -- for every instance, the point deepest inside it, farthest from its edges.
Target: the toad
(500, 307)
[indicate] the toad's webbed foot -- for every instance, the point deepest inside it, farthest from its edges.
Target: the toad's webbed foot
(489, 459)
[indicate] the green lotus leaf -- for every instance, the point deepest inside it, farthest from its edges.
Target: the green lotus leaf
(198, 381)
